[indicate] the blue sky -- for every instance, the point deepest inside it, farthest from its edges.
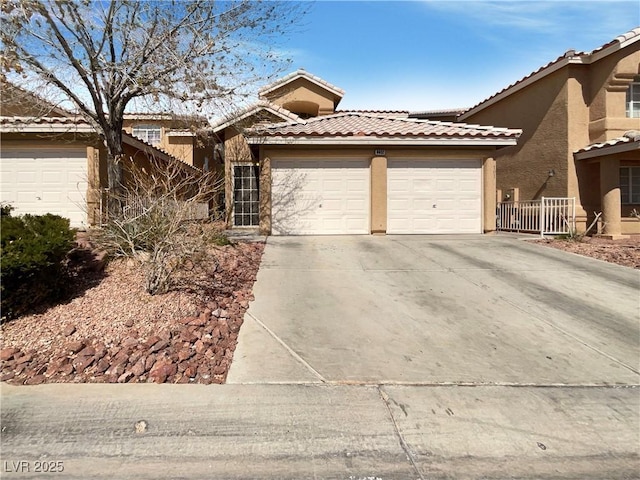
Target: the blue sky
(431, 54)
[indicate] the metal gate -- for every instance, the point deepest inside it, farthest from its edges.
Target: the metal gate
(547, 216)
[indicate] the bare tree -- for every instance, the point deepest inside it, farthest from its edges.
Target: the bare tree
(101, 56)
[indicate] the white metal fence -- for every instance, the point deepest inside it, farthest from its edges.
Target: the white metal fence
(547, 216)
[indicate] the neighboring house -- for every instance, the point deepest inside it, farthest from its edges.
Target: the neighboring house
(52, 161)
(179, 135)
(295, 165)
(580, 117)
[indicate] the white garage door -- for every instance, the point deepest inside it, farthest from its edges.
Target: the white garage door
(320, 197)
(434, 196)
(42, 180)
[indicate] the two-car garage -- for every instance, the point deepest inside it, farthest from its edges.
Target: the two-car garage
(331, 196)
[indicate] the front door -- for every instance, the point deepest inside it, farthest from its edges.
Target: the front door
(246, 195)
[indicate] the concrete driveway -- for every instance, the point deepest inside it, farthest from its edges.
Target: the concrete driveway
(480, 310)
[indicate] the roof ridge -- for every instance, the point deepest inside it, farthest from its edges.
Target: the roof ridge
(301, 72)
(238, 115)
(356, 125)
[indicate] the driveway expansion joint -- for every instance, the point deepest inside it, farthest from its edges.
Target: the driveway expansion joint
(291, 352)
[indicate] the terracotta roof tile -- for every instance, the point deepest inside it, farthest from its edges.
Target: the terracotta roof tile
(71, 125)
(253, 109)
(45, 124)
(629, 137)
(386, 113)
(355, 124)
(426, 113)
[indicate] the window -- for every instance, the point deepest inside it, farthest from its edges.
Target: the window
(246, 196)
(633, 99)
(630, 185)
(148, 133)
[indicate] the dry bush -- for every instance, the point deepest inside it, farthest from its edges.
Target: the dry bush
(158, 222)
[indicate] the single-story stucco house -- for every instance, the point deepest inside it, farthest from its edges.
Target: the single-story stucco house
(580, 118)
(294, 164)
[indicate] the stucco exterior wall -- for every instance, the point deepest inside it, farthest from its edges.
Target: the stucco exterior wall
(303, 96)
(608, 82)
(575, 106)
(540, 110)
(183, 147)
(179, 147)
(378, 175)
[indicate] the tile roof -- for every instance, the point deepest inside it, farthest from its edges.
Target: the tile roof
(571, 56)
(49, 124)
(435, 113)
(301, 73)
(386, 113)
(361, 125)
(630, 138)
(253, 109)
(199, 119)
(72, 125)
(10, 91)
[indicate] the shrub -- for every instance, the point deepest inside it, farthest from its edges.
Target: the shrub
(33, 252)
(156, 224)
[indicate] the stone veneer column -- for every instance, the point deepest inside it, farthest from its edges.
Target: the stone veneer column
(610, 191)
(489, 198)
(379, 195)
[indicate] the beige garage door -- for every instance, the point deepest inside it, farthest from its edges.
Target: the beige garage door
(320, 196)
(434, 196)
(45, 180)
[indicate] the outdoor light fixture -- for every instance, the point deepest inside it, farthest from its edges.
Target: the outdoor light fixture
(552, 172)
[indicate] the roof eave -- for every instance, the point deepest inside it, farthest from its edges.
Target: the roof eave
(607, 150)
(517, 87)
(45, 128)
(449, 141)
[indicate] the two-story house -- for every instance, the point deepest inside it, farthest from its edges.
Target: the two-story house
(580, 118)
(294, 164)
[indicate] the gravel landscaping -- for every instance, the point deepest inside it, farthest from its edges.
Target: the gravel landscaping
(624, 252)
(113, 331)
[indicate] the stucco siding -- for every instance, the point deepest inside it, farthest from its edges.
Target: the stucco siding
(540, 110)
(608, 81)
(302, 92)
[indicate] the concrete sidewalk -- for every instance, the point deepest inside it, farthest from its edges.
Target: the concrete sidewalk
(320, 431)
